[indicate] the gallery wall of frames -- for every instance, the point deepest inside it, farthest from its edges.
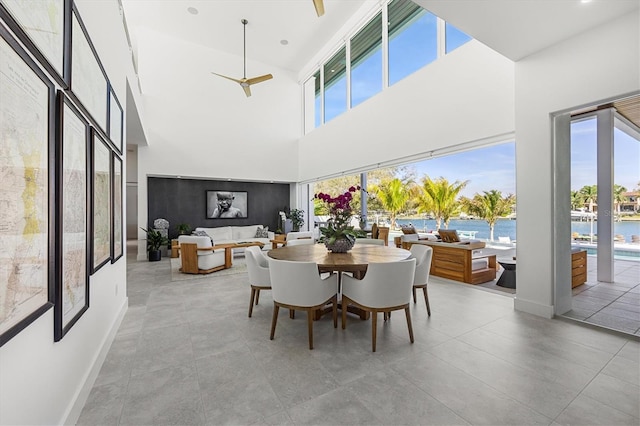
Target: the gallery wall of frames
(61, 167)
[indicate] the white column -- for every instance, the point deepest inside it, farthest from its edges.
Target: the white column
(604, 120)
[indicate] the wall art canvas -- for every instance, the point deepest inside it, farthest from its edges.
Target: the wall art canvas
(26, 98)
(73, 291)
(117, 209)
(101, 202)
(115, 121)
(43, 22)
(88, 83)
(226, 204)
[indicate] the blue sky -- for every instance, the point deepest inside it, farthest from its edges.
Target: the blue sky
(487, 168)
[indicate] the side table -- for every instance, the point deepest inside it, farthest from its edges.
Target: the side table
(508, 277)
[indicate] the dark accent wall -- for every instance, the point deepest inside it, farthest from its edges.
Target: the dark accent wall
(184, 201)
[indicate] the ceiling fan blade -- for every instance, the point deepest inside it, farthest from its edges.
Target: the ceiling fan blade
(260, 79)
(319, 5)
(247, 90)
(228, 78)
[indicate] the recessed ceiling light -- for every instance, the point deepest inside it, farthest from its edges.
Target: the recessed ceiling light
(333, 70)
(585, 1)
(284, 42)
(192, 10)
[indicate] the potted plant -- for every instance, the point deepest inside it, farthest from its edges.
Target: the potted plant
(155, 240)
(297, 219)
(183, 228)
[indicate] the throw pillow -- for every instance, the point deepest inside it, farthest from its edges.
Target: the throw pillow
(262, 232)
(203, 234)
(408, 229)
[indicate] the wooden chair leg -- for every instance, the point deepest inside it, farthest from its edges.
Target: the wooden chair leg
(345, 303)
(374, 329)
(292, 313)
(253, 293)
(310, 327)
(274, 320)
(426, 300)
(257, 296)
(406, 311)
(335, 311)
(413, 289)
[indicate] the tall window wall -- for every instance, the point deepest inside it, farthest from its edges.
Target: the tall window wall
(410, 37)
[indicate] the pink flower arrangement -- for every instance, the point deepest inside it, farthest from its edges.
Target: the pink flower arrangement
(340, 214)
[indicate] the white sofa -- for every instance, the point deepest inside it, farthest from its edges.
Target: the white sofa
(237, 234)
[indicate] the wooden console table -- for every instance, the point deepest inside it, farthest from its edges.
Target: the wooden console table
(190, 256)
(453, 261)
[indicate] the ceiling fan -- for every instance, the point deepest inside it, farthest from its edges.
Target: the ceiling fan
(319, 5)
(244, 81)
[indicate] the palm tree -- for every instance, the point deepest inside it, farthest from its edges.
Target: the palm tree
(393, 195)
(618, 197)
(439, 197)
(490, 207)
(590, 194)
(577, 200)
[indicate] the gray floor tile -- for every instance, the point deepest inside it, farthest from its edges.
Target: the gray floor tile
(160, 348)
(625, 369)
(118, 364)
(104, 405)
(164, 397)
(338, 407)
(615, 393)
(588, 411)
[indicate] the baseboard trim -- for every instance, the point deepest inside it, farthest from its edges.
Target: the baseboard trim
(545, 311)
(81, 398)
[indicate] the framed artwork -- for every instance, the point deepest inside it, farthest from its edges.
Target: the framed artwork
(27, 137)
(88, 81)
(115, 121)
(117, 250)
(72, 289)
(42, 26)
(101, 214)
(226, 204)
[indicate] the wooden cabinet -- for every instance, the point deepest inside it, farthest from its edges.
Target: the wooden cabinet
(454, 261)
(578, 267)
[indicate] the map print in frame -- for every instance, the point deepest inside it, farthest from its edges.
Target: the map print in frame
(88, 83)
(101, 202)
(117, 209)
(25, 142)
(73, 293)
(115, 121)
(43, 22)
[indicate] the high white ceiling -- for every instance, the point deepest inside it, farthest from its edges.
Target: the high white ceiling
(217, 25)
(514, 28)
(518, 28)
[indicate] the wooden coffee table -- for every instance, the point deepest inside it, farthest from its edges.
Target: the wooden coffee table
(228, 250)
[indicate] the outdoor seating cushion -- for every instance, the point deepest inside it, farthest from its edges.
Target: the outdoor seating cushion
(479, 264)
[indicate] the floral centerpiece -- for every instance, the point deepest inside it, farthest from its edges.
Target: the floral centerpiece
(339, 236)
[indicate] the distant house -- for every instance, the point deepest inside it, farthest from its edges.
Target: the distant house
(631, 203)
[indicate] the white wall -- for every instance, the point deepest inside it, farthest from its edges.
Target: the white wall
(465, 96)
(41, 381)
(594, 66)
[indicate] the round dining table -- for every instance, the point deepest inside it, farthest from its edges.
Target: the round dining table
(355, 261)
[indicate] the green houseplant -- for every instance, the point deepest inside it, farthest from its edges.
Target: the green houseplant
(297, 218)
(155, 240)
(183, 228)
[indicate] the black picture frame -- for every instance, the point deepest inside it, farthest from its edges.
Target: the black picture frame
(33, 294)
(115, 121)
(28, 36)
(72, 188)
(89, 89)
(239, 208)
(117, 239)
(101, 212)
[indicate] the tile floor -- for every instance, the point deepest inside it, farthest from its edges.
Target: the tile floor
(613, 305)
(186, 353)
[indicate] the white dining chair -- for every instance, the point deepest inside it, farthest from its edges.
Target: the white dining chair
(297, 235)
(301, 242)
(298, 286)
(386, 287)
(258, 270)
(423, 255)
